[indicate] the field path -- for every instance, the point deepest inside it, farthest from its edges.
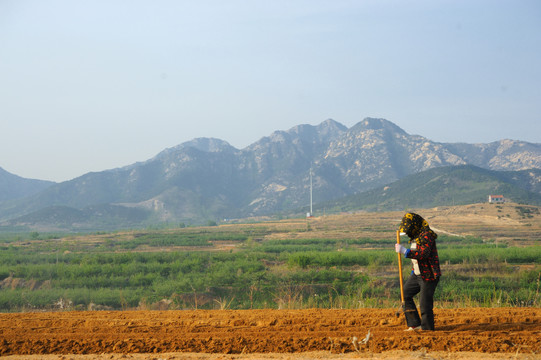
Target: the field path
(482, 330)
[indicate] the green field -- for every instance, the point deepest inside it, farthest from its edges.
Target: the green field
(251, 266)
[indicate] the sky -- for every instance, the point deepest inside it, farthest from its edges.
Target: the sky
(93, 85)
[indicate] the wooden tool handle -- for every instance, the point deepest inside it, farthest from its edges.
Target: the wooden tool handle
(400, 268)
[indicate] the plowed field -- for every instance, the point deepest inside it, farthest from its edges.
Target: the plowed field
(280, 333)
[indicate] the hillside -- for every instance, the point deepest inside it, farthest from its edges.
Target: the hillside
(454, 185)
(208, 179)
(15, 187)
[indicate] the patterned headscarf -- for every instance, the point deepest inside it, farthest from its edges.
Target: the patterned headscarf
(414, 225)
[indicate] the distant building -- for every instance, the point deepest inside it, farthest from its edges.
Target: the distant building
(496, 199)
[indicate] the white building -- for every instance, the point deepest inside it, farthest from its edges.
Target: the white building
(496, 199)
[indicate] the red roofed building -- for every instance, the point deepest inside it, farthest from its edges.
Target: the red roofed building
(496, 199)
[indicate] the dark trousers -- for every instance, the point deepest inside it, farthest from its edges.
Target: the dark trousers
(413, 286)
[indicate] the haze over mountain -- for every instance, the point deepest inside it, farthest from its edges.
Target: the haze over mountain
(13, 186)
(208, 179)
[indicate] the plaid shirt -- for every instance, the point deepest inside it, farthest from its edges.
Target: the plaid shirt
(426, 255)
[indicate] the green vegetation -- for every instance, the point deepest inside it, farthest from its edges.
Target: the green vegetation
(239, 268)
(464, 184)
(527, 212)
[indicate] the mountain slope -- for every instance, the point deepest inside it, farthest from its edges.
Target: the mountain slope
(14, 187)
(450, 185)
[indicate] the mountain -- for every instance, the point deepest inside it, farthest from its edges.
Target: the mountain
(208, 179)
(14, 187)
(448, 185)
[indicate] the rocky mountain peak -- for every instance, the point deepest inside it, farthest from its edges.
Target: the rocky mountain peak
(376, 124)
(331, 125)
(319, 135)
(208, 144)
(330, 129)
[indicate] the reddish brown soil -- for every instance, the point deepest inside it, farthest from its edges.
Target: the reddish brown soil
(481, 330)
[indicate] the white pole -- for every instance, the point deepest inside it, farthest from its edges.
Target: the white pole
(311, 212)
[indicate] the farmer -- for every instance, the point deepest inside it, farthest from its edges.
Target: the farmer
(425, 274)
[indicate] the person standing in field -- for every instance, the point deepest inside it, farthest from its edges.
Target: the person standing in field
(425, 273)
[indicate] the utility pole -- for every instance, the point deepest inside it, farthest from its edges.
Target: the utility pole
(311, 213)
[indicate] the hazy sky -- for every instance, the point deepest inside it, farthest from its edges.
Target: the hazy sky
(94, 85)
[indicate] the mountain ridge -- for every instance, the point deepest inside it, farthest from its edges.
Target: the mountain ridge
(13, 186)
(207, 178)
